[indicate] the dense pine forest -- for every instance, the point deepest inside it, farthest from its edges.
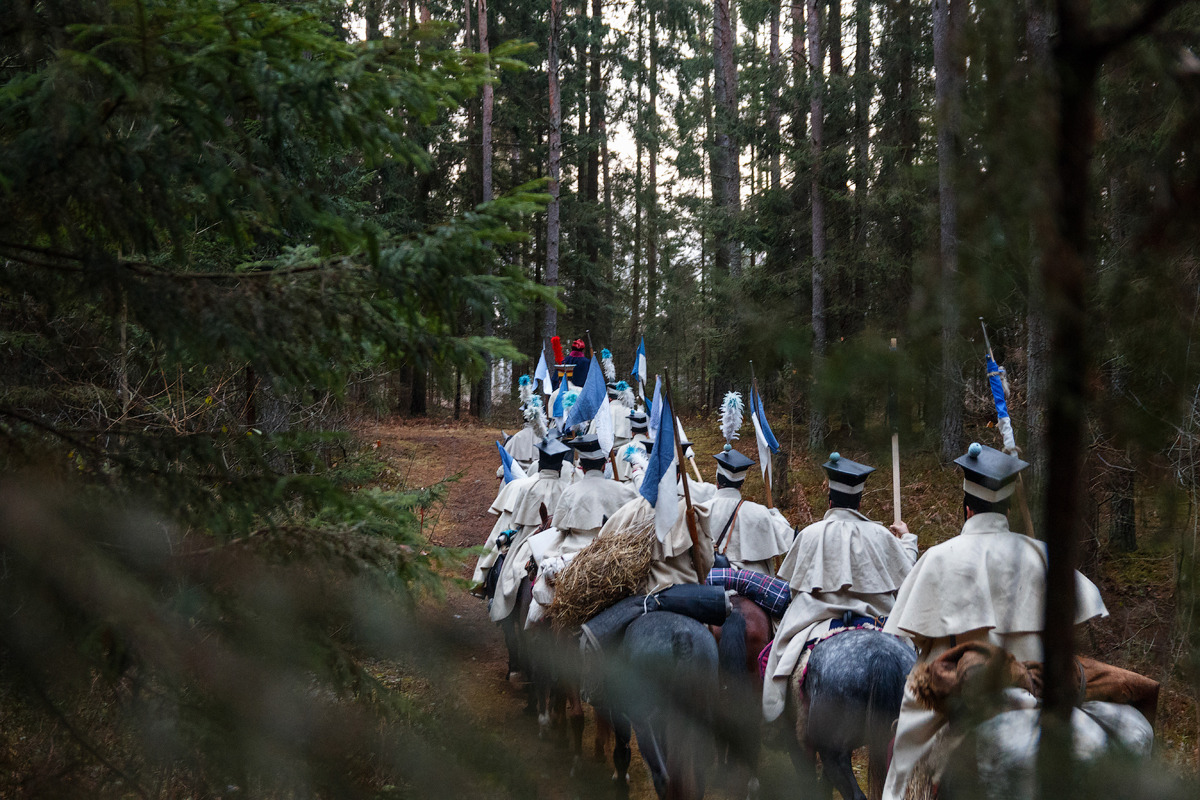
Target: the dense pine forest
(236, 233)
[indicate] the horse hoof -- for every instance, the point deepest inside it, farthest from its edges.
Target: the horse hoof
(576, 762)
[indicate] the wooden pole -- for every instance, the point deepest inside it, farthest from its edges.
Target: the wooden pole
(892, 412)
(690, 512)
(1022, 502)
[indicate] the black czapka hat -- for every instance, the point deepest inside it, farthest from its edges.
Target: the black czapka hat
(844, 475)
(988, 473)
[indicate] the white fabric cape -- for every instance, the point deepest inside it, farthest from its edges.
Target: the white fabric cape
(757, 535)
(986, 578)
(847, 550)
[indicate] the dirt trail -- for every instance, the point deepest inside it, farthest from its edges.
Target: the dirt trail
(423, 453)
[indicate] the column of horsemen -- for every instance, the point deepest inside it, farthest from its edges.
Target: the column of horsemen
(968, 606)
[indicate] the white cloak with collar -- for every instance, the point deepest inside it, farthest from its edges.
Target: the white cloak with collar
(844, 562)
(502, 507)
(986, 584)
(757, 535)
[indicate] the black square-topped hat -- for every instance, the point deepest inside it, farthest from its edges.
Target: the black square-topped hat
(551, 453)
(732, 464)
(844, 475)
(639, 421)
(988, 473)
(588, 447)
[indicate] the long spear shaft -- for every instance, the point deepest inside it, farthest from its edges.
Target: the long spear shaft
(892, 411)
(1021, 501)
(689, 513)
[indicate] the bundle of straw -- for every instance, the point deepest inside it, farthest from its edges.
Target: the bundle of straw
(609, 569)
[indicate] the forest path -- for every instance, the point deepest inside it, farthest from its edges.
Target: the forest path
(423, 453)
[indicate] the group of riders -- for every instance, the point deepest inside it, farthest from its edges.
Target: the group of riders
(978, 598)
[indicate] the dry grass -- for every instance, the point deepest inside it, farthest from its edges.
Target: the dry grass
(609, 569)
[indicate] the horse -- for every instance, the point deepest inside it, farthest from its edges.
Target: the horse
(665, 689)
(740, 640)
(999, 757)
(849, 697)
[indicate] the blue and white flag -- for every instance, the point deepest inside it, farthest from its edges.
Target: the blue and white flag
(659, 486)
(656, 408)
(542, 373)
(995, 375)
(556, 410)
(639, 362)
(512, 470)
(591, 398)
(762, 435)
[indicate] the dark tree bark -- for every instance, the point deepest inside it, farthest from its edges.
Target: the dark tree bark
(773, 112)
(816, 416)
(652, 175)
(947, 26)
(726, 178)
(552, 211)
(481, 405)
(863, 94)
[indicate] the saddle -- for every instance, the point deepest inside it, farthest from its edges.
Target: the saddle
(705, 604)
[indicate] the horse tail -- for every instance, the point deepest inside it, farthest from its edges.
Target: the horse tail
(888, 671)
(731, 649)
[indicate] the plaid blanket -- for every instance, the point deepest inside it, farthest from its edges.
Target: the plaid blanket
(772, 594)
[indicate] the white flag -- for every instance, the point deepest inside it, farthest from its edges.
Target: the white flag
(764, 450)
(603, 425)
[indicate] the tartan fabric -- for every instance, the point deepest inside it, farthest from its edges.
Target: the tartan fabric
(772, 594)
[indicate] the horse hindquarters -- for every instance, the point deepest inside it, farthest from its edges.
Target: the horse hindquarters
(853, 688)
(667, 690)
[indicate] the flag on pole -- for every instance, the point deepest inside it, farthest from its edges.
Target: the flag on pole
(542, 373)
(656, 409)
(687, 451)
(763, 436)
(512, 470)
(604, 426)
(659, 484)
(591, 398)
(556, 410)
(639, 362)
(995, 375)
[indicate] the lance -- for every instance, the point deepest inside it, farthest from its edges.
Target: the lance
(1021, 501)
(689, 512)
(892, 413)
(753, 412)
(591, 350)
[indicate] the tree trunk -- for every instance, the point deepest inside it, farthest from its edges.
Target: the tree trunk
(863, 94)
(373, 19)
(816, 417)
(483, 394)
(726, 178)
(947, 26)
(552, 210)
(652, 177)
(773, 113)
(636, 303)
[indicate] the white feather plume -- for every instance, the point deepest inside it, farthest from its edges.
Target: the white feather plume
(526, 385)
(635, 454)
(731, 415)
(625, 397)
(535, 414)
(610, 372)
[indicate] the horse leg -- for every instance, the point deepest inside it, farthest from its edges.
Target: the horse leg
(654, 754)
(840, 773)
(604, 731)
(575, 725)
(622, 752)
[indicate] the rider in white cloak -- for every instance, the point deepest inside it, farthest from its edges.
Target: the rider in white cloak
(987, 584)
(749, 534)
(639, 432)
(502, 507)
(843, 569)
(547, 486)
(580, 512)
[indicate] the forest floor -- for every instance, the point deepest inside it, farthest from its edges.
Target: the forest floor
(1140, 634)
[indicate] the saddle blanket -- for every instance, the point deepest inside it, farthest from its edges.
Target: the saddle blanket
(836, 626)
